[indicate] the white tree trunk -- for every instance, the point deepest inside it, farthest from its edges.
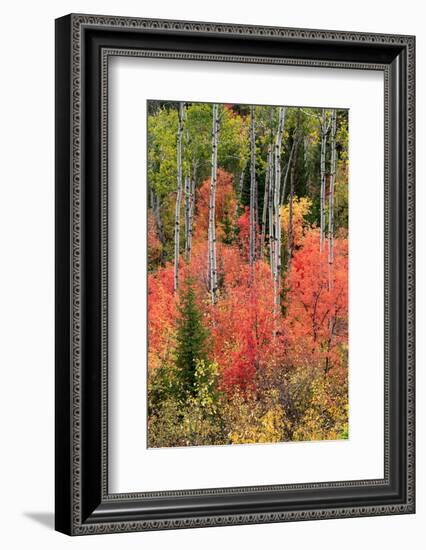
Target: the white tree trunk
(212, 264)
(252, 189)
(290, 206)
(191, 217)
(241, 183)
(332, 184)
(287, 171)
(277, 209)
(324, 131)
(178, 194)
(265, 201)
(187, 216)
(271, 232)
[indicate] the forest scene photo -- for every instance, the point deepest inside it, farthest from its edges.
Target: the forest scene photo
(247, 274)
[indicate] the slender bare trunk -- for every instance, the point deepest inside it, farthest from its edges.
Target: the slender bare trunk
(290, 206)
(209, 261)
(332, 184)
(305, 151)
(256, 220)
(324, 131)
(271, 235)
(187, 216)
(265, 201)
(212, 265)
(252, 190)
(333, 162)
(287, 171)
(277, 209)
(190, 216)
(178, 194)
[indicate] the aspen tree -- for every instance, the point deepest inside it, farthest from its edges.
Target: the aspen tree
(191, 216)
(178, 194)
(271, 192)
(271, 236)
(252, 189)
(265, 201)
(333, 158)
(212, 263)
(287, 171)
(332, 185)
(187, 215)
(324, 132)
(292, 162)
(290, 206)
(277, 209)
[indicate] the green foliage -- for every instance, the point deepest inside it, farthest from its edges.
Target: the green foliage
(290, 399)
(255, 420)
(229, 227)
(342, 135)
(162, 150)
(233, 149)
(191, 420)
(206, 392)
(197, 140)
(341, 206)
(325, 415)
(191, 339)
(233, 152)
(163, 385)
(344, 434)
(289, 405)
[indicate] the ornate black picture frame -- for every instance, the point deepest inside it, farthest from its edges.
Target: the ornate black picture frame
(83, 45)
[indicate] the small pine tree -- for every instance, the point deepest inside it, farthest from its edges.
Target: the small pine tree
(191, 339)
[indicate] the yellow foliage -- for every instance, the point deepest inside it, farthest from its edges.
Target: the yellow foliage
(326, 416)
(256, 422)
(301, 208)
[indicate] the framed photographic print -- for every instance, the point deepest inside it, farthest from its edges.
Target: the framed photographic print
(234, 274)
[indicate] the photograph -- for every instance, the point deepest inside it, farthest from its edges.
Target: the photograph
(247, 262)
(234, 272)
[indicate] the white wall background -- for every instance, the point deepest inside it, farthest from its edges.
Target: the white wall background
(27, 281)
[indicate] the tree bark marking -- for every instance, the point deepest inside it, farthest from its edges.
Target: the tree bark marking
(178, 194)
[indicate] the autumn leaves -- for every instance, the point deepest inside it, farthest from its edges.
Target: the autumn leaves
(248, 263)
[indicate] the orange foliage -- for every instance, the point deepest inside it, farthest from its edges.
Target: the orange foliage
(243, 325)
(311, 329)
(161, 315)
(243, 224)
(317, 303)
(225, 204)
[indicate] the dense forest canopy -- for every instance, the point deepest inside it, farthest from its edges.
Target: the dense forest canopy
(247, 273)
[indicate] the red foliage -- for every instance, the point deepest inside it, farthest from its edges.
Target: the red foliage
(317, 303)
(310, 330)
(225, 204)
(243, 323)
(161, 315)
